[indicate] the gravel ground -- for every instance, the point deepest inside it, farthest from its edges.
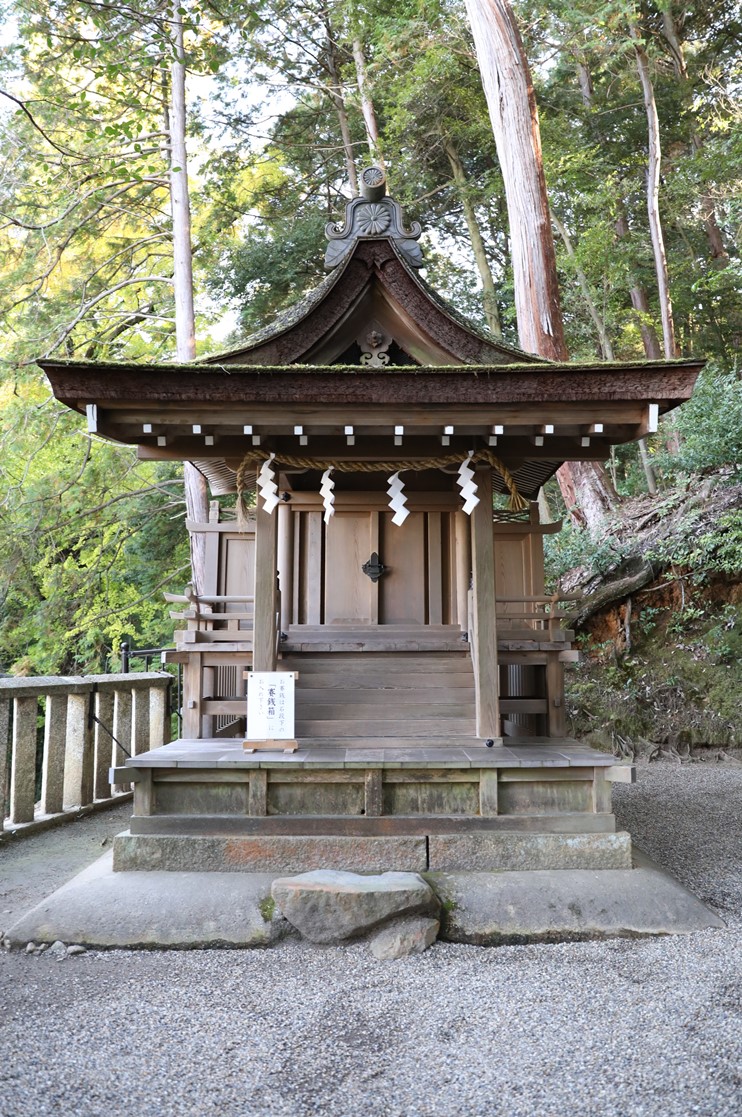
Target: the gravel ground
(623, 1028)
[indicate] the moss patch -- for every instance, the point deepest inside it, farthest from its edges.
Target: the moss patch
(267, 908)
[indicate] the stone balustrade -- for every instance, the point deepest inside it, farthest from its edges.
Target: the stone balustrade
(90, 724)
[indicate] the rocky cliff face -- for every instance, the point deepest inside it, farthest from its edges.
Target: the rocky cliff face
(660, 626)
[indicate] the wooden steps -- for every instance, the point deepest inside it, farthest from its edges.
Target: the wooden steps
(365, 696)
(374, 637)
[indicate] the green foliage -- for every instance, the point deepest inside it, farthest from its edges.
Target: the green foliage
(709, 427)
(679, 687)
(89, 536)
(88, 539)
(574, 546)
(702, 551)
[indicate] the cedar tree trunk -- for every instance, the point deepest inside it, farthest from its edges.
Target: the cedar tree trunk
(506, 79)
(196, 495)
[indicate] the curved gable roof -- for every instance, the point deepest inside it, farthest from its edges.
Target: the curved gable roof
(372, 283)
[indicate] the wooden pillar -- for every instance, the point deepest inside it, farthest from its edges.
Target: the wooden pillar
(463, 568)
(556, 716)
(55, 741)
(192, 694)
(484, 646)
(207, 723)
(79, 758)
(286, 562)
(23, 760)
(264, 635)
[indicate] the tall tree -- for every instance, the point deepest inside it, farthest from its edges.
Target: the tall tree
(196, 493)
(506, 77)
(508, 88)
(653, 192)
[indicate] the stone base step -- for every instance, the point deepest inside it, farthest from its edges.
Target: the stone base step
(475, 851)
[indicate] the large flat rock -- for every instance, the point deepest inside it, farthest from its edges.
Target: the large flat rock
(492, 909)
(101, 908)
(327, 906)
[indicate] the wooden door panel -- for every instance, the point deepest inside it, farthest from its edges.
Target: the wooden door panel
(350, 595)
(238, 566)
(402, 587)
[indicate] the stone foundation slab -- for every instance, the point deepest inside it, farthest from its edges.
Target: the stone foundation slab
(488, 852)
(273, 854)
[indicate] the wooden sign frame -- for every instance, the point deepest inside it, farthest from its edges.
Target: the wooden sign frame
(271, 692)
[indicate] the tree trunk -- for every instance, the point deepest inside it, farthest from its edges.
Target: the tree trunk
(588, 493)
(652, 349)
(196, 494)
(185, 331)
(653, 190)
(670, 34)
(606, 348)
(338, 100)
(367, 105)
(511, 101)
(508, 88)
(489, 291)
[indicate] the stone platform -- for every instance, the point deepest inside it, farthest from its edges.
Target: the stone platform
(375, 806)
(101, 908)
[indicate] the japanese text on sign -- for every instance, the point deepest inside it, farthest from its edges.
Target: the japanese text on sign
(270, 706)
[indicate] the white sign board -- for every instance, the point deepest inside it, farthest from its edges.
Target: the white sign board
(270, 706)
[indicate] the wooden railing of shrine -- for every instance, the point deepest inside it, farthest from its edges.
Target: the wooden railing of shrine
(59, 736)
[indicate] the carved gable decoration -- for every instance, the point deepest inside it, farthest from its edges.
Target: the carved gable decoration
(373, 215)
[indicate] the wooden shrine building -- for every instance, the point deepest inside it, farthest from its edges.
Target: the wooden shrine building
(378, 426)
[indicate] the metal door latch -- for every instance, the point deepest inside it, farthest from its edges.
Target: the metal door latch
(374, 567)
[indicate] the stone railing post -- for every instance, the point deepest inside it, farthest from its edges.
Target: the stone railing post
(122, 729)
(159, 716)
(4, 756)
(23, 759)
(139, 720)
(81, 715)
(104, 757)
(55, 741)
(79, 756)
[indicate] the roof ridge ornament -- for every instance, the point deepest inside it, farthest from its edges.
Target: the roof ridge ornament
(373, 216)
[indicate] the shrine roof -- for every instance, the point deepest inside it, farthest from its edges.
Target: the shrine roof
(373, 354)
(292, 322)
(672, 379)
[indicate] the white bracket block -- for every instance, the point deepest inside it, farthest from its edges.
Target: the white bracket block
(91, 410)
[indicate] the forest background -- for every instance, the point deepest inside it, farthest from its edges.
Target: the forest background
(286, 102)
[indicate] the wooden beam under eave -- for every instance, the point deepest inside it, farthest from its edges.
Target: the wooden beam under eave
(264, 634)
(509, 449)
(484, 637)
(273, 417)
